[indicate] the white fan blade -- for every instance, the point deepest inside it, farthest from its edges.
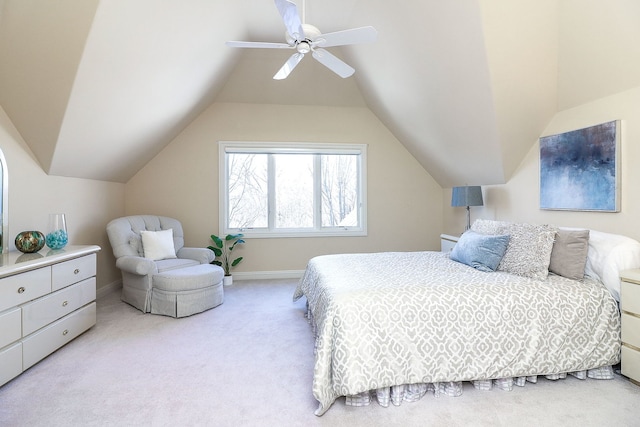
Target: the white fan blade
(345, 37)
(289, 12)
(263, 45)
(333, 63)
(288, 66)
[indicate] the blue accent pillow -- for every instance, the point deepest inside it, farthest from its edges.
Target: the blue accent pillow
(480, 251)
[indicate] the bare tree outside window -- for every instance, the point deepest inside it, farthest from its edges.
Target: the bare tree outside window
(247, 183)
(306, 190)
(339, 190)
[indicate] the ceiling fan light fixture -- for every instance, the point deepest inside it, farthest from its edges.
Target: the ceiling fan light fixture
(303, 47)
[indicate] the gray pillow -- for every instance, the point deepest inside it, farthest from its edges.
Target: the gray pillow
(569, 253)
(480, 251)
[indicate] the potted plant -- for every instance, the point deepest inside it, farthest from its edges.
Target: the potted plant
(223, 248)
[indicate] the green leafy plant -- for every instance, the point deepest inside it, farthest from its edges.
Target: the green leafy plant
(223, 248)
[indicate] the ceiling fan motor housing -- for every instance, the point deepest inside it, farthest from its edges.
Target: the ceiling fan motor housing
(309, 36)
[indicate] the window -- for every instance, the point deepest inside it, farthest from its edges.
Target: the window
(292, 190)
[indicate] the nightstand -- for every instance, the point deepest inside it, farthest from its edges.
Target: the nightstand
(447, 242)
(630, 306)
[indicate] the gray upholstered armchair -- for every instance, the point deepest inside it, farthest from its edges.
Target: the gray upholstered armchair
(180, 284)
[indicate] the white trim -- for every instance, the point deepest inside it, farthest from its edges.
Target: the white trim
(261, 275)
(4, 205)
(292, 147)
(336, 232)
(106, 290)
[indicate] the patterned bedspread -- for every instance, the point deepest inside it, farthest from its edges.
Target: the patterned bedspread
(392, 318)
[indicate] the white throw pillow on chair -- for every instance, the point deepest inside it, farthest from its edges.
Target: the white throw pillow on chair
(158, 245)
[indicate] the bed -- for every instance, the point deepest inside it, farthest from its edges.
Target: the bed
(394, 326)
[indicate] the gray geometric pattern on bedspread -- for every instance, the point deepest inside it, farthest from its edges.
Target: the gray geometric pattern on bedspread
(392, 318)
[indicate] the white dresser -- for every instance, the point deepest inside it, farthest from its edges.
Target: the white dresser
(630, 306)
(46, 300)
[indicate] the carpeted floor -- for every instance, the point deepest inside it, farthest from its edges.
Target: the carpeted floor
(249, 362)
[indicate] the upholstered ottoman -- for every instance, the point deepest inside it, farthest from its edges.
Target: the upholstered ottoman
(186, 291)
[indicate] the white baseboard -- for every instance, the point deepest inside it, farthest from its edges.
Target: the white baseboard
(260, 275)
(247, 275)
(106, 290)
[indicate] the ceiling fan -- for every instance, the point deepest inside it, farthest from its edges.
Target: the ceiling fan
(305, 38)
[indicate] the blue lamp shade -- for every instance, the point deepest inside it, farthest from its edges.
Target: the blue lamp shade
(467, 196)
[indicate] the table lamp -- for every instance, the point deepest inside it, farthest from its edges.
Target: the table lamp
(467, 196)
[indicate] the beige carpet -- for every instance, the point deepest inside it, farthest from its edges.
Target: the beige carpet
(249, 362)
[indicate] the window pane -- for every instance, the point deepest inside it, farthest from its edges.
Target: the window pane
(247, 190)
(294, 190)
(339, 190)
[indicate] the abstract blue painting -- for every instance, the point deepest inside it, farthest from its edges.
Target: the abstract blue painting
(579, 170)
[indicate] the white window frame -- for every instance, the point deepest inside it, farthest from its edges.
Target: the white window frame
(298, 147)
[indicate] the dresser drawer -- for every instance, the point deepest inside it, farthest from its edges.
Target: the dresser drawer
(18, 289)
(630, 297)
(631, 330)
(41, 312)
(630, 363)
(10, 362)
(10, 329)
(50, 338)
(72, 271)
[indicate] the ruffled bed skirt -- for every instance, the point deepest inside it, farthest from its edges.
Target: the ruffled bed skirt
(414, 392)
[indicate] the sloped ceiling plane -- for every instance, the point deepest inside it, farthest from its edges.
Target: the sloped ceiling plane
(467, 86)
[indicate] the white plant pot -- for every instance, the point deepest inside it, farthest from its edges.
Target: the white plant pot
(227, 281)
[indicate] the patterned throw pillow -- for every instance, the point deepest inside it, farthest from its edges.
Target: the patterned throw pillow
(529, 251)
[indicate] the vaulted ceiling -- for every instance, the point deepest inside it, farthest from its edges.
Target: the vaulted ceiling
(98, 87)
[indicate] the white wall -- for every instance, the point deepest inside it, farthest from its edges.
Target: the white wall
(33, 195)
(599, 52)
(521, 39)
(518, 200)
(598, 79)
(404, 202)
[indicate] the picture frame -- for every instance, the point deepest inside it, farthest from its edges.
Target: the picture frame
(580, 169)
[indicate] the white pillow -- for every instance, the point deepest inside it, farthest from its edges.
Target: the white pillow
(158, 245)
(608, 255)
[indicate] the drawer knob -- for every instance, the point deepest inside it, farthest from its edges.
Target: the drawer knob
(21, 290)
(65, 332)
(64, 304)
(76, 271)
